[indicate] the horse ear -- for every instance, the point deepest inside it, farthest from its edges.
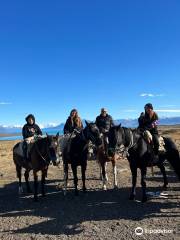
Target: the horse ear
(47, 135)
(57, 135)
(86, 123)
(119, 125)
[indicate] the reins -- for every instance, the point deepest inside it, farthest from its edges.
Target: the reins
(130, 145)
(38, 151)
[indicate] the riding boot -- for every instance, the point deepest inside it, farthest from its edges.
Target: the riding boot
(156, 156)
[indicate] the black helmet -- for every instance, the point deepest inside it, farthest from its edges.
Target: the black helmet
(149, 105)
(30, 116)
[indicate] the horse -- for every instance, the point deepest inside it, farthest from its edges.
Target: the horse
(43, 151)
(75, 152)
(103, 159)
(139, 155)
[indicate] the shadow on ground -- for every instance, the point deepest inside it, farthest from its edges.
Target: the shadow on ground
(65, 214)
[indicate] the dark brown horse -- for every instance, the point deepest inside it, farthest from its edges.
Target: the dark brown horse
(75, 152)
(43, 151)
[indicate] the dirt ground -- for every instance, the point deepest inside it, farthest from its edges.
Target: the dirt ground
(97, 214)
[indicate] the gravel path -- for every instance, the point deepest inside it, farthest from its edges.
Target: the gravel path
(97, 214)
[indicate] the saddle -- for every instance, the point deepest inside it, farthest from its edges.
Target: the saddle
(19, 150)
(65, 142)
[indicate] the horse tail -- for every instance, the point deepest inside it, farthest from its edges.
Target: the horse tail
(14, 153)
(172, 155)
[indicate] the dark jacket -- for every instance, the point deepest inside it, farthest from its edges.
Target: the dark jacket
(31, 130)
(104, 123)
(70, 125)
(146, 123)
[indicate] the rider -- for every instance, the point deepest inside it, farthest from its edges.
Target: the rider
(73, 122)
(30, 129)
(104, 122)
(149, 121)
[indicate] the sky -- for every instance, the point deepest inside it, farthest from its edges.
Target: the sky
(58, 55)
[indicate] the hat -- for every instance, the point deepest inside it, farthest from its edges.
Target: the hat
(149, 105)
(103, 110)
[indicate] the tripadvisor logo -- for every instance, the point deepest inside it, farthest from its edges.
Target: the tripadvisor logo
(139, 231)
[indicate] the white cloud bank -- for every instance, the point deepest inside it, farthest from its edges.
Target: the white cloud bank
(5, 103)
(151, 95)
(168, 110)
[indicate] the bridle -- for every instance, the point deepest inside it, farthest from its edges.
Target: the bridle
(125, 147)
(47, 157)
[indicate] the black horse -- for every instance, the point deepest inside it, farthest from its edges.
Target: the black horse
(140, 155)
(75, 152)
(43, 151)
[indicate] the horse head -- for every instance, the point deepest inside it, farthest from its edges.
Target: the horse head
(92, 133)
(53, 148)
(115, 137)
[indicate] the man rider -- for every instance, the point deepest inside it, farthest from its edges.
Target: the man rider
(104, 122)
(30, 129)
(149, 121)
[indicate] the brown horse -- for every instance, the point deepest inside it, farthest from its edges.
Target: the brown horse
(103, 159)
(43, 151)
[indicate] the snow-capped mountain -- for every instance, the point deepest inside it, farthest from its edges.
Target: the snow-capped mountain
(59, 127)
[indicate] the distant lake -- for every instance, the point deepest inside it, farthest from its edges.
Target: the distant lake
(48, 131)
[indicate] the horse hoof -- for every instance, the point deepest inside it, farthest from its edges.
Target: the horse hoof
(84, 190)
(132, 197)
(105, 188)
(115, 187)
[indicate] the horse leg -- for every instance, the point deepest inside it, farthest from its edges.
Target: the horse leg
(26, 176)
(106, 172)
(143, 184)
(134, 180)
(74, 170)
(104, 176)
(65, 178)
(163, 171)
(43, 177)
(114, 173)
(18, 170)
(83, 171)
(100, 171)
(35, 186)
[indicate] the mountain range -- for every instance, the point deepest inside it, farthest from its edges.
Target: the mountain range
(124, 122)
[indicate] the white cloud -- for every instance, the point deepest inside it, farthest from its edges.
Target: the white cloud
(168, 110)
(47, 125)
(5, 103)
(168, 106)
(151, 95)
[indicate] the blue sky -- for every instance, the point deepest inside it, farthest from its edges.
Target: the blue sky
(57, 55)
